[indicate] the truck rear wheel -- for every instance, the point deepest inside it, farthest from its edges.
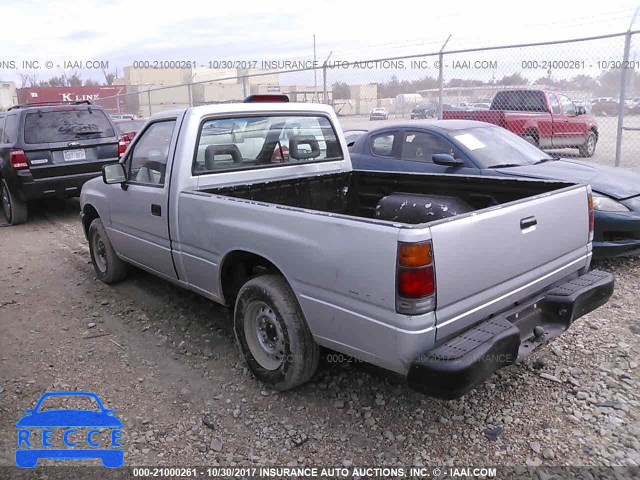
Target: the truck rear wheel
(588, 148)
(272, 333)
(109, 268)
(531, 138)
(14, 210)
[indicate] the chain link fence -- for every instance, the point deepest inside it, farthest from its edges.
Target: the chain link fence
(595, 83)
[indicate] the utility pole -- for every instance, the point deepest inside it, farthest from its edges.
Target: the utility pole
(325, 96)
(623, 89)
(315, 71)
(441, 77)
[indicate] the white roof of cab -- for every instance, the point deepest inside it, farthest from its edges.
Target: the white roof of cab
(253, 107)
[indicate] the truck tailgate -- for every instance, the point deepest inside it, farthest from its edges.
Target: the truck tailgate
(488, 261)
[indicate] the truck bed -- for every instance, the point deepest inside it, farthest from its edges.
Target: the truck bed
(324, 229)
(358, 193)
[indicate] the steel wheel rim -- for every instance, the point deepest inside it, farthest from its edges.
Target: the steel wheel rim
(264, 335)
(100, 253)
(6, 202)
(591, 144)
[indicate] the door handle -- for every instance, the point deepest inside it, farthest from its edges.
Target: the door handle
(527, 223)
(156, 210)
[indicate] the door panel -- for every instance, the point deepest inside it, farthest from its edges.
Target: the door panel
(139, 227)
(569, 127)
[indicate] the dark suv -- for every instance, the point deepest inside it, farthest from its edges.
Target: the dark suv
(50, 151)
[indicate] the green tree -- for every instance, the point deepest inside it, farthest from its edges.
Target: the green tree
(74, 80)
(584, 82)
(515, 79)
(341, 90)
(610, 83)
(109, 77)
(54, 82)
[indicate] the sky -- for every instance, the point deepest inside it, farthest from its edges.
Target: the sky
(120, 32)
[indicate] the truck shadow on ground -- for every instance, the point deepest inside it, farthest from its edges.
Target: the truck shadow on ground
(190, 323)
(43, 212)
(194, 324)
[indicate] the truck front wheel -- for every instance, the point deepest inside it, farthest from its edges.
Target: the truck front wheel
(588, 148)
(272, 334)
(109, 268)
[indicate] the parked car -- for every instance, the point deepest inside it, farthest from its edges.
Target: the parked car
(475, 148)
(350, 136)
(379, 114)
(604, 106)
(123, 116)
(311, 253)
(633, 106)
(50, 151)
(546, 119)
(425, 110)
(129, 128)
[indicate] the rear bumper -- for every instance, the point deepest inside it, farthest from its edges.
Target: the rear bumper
(460, 364)
(64, 186)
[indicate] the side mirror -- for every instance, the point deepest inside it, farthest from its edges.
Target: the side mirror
(446, 160)
(581, 111)
(113, 173)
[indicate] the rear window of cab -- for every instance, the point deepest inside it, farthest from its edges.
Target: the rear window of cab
(260, 141)
(66, 126)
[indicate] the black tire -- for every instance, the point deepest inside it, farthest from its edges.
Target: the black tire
(109, 268)
(532, 139)
(588, 148)
(272, 334)
(14, 209)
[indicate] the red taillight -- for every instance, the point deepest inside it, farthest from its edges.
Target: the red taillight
(416, 282)
(18, 159)
(122, 146)
(591, 214)
(266, 98)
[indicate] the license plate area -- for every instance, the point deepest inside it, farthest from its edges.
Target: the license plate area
(74, 155)
(527, 318)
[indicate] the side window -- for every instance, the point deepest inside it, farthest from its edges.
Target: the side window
(567, 106)
(1, 128)
(382, 144)
(421, 146)
(555, 104)
(148, 160)
(11, 129)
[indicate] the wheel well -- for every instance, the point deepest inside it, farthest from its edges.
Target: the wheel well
(532, 132)
(238, 267)
(89, 214)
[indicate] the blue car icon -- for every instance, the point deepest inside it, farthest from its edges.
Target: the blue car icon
(69, 418)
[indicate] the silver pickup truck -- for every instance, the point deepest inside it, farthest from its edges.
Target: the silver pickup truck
(443, 279)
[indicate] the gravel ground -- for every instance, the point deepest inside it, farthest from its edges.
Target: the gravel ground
(164, 359)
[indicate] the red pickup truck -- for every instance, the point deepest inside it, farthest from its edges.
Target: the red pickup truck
(547, 119)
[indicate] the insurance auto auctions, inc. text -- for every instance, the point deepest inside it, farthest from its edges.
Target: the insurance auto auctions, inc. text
(355, 472)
